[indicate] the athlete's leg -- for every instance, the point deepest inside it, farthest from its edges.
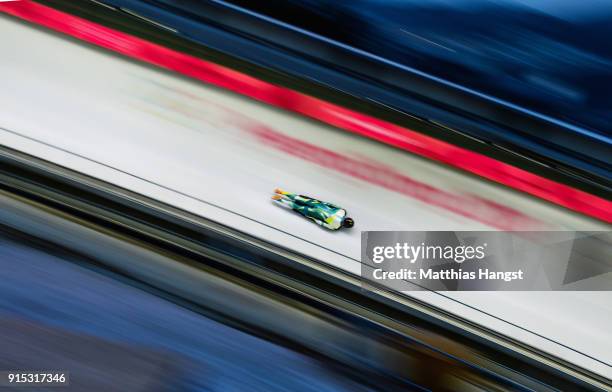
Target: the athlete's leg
(294, 205)
(284, 200)
(289, 195)
(314, 213)
(308, 201)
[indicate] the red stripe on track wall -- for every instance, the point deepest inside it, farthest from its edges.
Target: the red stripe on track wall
(329, 113)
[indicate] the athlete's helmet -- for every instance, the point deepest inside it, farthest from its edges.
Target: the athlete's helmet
(348, 222)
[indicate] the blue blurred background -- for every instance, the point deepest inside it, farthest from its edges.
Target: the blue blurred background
(548, 56)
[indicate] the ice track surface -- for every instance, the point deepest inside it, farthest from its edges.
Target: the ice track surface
(221, 156)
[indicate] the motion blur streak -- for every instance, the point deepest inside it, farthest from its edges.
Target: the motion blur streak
(470, 206)
(467, 204)
(332, 114)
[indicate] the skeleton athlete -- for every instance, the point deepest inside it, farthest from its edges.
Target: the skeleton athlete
(325, 214)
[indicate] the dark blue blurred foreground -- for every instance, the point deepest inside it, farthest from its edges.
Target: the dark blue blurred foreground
(55, 314)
